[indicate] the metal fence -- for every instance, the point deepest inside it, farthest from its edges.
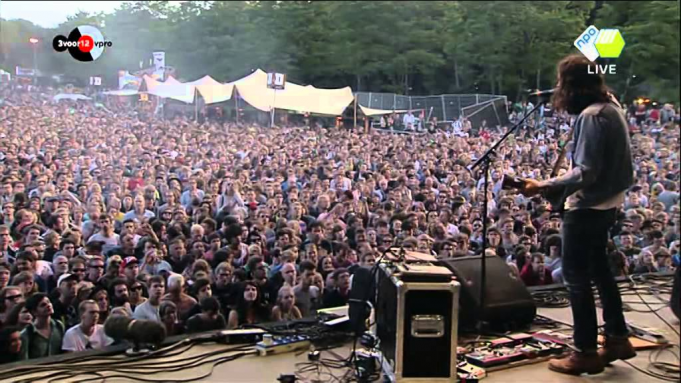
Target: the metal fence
(446, 107)
(490, 113)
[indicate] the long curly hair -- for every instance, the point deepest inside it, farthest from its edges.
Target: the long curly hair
(578, 86)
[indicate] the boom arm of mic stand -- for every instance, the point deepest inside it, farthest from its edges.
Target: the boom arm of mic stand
(485, 160)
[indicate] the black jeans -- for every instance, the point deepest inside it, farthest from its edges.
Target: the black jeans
(585, 237)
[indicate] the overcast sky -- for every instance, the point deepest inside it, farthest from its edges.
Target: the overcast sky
(50, 14)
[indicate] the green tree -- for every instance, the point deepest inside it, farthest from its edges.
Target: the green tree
(408, 47)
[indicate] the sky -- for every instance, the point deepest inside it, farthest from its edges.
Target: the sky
(50, 14)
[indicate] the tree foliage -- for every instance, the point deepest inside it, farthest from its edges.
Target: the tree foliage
(407, 47)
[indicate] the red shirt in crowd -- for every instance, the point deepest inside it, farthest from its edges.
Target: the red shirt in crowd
(533, 279)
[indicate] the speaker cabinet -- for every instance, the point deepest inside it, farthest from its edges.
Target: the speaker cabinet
(508, 303)
(417, 325)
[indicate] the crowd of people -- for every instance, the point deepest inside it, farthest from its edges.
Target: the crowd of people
(110, 211)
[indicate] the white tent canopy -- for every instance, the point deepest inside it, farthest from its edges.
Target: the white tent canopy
(253, 89)
(122, 92)
(70, 96)
(379, 112)
(211, 90)
(174, 89)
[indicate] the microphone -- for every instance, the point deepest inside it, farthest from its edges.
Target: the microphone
(541, 93)
(139, 332)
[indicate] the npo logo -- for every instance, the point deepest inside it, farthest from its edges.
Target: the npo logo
(606, 43)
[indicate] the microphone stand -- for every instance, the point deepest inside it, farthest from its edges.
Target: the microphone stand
(484, 161)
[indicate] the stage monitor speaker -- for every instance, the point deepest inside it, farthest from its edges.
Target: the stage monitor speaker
(508, 303)
(416, 323)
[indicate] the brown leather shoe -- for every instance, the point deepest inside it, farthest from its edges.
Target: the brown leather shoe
(578, 363)
(616, 349)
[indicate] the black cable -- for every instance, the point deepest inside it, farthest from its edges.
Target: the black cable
(199, 363)
(116, 362)
(193, 379)
(155, 368)
(656, 314)
(113, 360)
(661, 370)
(654, 364)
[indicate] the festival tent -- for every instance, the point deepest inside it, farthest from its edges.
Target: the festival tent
(70, 96)
(172, 80)
(211, 90)
(253, 89)
(379, 112)
(121, 92)
(176, 91)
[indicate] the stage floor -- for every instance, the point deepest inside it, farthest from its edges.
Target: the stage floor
(267, 369)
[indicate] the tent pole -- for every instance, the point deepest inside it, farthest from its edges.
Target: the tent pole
(236, 105)
(273, 109)
(354, 125)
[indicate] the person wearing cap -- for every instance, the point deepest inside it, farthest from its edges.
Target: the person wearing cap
(113, 268)
(130, 269)
(51, 205)
(63, 299)
(44, 336)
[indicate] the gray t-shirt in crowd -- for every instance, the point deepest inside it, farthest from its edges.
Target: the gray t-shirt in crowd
(147, 311)
(307, 301)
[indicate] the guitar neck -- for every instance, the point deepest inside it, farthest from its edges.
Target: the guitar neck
(561, 155)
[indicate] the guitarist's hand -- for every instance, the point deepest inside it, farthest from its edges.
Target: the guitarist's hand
(532, 187)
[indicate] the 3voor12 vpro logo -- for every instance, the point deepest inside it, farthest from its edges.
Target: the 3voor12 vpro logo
(84, 43)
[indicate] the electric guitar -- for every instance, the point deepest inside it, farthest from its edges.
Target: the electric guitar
(557, 200)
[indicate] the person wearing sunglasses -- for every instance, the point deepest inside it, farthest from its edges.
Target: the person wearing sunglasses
(138, 293)
(10, 296)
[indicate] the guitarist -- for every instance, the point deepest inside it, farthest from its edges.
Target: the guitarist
(593, 189)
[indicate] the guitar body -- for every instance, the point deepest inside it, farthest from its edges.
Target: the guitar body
(557, 199)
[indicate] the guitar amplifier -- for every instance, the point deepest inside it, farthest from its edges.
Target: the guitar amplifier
(417, 324)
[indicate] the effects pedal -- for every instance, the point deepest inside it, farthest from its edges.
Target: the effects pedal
(467, 372)
(281, 344)
(648, 334)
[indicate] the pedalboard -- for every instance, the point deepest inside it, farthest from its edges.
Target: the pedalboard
(513, 348)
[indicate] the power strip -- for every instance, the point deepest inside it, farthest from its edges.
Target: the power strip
(281, 344)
